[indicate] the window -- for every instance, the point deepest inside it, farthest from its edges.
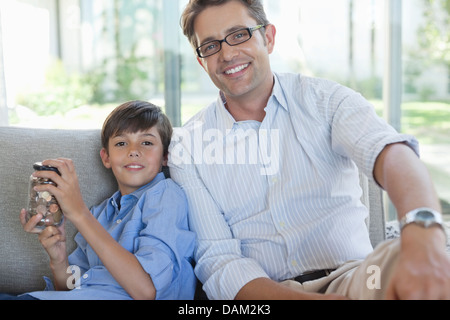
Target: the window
(67, 63)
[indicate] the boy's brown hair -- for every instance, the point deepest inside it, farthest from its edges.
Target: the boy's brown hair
(135, 116)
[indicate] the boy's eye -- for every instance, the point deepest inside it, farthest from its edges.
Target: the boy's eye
(147, 143)
(120, 144)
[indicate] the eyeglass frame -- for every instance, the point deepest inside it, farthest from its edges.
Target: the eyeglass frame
(250, 31)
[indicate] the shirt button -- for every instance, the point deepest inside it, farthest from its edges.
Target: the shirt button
(282, 224)
(85, 276)
(294, 263)
(274, 180)
(119, 221)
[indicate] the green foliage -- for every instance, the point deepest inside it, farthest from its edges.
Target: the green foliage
(433, 41)
(60, 92)
(128, 72)
(434, 35)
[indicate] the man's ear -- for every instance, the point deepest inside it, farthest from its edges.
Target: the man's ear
(270, 35)
(105, 158)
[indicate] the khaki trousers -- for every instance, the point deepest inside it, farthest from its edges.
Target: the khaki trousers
(358, 280)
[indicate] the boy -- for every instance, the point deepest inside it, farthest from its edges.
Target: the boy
(136, 244)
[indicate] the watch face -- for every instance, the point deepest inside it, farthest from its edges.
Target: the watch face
(425, 216)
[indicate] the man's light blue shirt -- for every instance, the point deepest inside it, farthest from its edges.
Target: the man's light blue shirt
(151, 223)
(279, 198)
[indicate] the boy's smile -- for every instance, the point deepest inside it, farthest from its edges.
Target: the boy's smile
(135, 158)
(134, 167)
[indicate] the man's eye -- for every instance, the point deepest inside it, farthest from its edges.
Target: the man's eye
(239, 35)
(210, 47)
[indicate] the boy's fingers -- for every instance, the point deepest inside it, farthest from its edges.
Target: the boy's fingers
(30, 226)
(50, 236)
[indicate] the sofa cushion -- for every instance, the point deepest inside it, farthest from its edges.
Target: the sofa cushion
(23, 260)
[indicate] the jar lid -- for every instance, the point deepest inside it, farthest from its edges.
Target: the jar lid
(38, 166)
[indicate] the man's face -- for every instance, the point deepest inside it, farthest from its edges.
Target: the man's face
(241, 70)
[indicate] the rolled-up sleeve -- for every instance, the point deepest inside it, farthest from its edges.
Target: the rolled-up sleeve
(359, 133)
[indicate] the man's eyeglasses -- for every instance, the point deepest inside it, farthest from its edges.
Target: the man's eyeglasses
(233, 39)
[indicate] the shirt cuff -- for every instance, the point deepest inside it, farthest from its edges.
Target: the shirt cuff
(48, 284)
(226, 284)
(410, 141)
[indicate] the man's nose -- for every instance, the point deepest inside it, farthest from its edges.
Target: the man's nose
(228, 52)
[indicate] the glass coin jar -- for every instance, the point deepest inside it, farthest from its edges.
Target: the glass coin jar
(43, 202)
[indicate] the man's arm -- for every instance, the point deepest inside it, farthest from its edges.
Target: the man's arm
(266, 289)
(406, 179)
(423, 270)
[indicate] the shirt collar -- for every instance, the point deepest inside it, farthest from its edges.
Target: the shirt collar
(225, 120)
(117, 198)
(278, 94)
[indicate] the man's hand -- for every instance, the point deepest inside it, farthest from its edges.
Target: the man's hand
(423, 268)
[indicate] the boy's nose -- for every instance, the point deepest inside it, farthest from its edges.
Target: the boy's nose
(134, 154)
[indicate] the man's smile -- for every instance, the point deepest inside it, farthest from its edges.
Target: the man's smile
(237, 69)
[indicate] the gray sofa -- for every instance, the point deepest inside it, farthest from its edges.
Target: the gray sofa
(23, 262)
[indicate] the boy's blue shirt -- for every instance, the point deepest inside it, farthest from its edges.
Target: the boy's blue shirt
(152, 223)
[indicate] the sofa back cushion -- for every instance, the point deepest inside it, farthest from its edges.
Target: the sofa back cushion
(23, 260)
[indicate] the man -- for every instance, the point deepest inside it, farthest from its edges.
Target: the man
(271, 175)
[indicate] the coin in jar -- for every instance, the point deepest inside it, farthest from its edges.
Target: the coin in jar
(53, 208)
(45, 195)
(41, 209)
(57, 217)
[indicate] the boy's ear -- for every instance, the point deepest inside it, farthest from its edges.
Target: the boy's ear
(165, 160)
(105, 158)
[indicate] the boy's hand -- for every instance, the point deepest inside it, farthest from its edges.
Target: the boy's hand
(30, 225)
(67, 191)
(53, 239)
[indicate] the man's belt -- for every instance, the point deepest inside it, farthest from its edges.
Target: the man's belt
(313, 275)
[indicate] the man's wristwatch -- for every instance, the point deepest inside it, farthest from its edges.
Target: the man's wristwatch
(424, 217)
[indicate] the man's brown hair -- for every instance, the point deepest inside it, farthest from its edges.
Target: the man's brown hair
(195, 7)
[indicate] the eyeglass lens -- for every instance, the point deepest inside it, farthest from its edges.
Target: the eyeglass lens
(232, 39)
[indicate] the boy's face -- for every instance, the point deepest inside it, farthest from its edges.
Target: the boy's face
(135, 158)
